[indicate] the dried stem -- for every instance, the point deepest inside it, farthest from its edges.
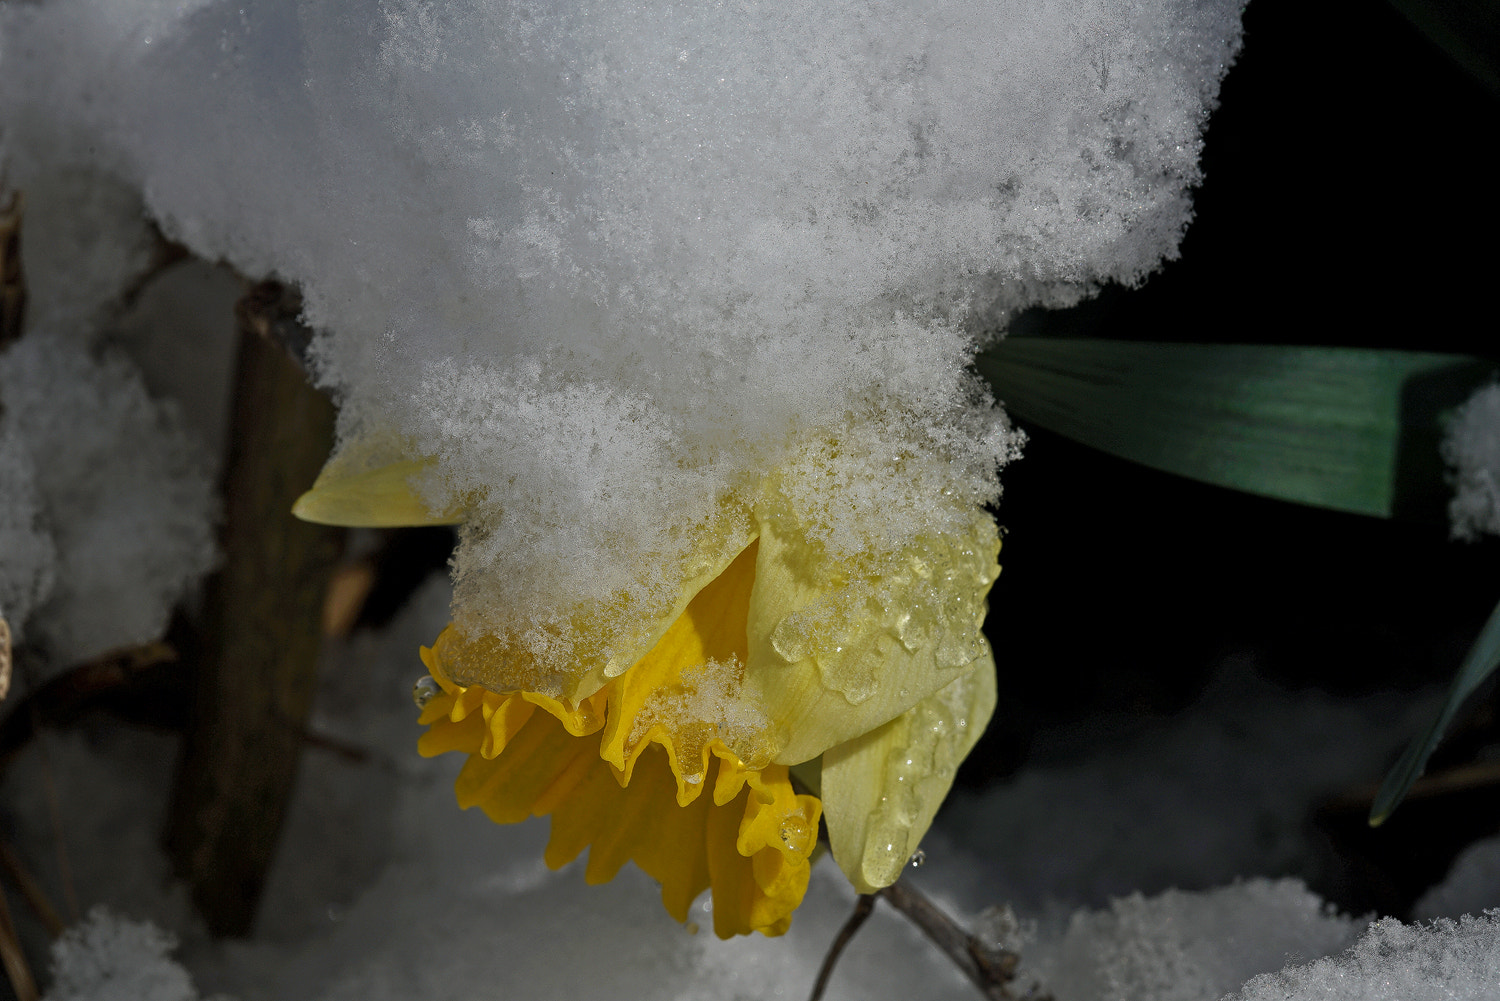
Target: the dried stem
(12, 279)
(36, 898)
(991, 969)
(13, 959)
(69, 695)
(4, 658)
(862, 909)
(55, 817)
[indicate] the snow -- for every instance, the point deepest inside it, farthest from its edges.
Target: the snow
(105, 958)
(1471, 445)
(1397, 962)
(381, 889)
(1179, 946)
(108, 505)
(1251, 754)
(624, 267)
(620, 266)
(114, 501)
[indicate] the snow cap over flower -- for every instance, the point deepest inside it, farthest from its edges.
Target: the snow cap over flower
(602, 266)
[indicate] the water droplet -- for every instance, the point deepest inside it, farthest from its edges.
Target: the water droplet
(952, 654)
(693, 780)
(794, 833)
(423, 691)
(885, 848)
(790, 642)
(917, 858)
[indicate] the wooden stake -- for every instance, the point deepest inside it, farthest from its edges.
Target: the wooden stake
(255, 668)
(12, 280)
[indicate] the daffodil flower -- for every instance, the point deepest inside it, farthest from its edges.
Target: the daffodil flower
(869, 680)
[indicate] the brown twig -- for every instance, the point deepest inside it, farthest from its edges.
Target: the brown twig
(69, 695)
(4, 658)
(1463, 778)
(13, 959)
(990, 968)
(350, 752)
(348, 590)
(164, 254)
(12, 278)
(54, 805)
(36, 898)
(862, 908)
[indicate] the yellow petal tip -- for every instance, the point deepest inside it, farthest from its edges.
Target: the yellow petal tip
(375, 498)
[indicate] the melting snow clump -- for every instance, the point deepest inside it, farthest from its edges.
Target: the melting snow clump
(621, 270)
(1188, 946)
(108, 958)
(108, 503)
(1472, 448)
(1397, 962)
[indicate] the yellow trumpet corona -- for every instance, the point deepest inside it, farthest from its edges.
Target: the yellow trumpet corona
(871, 680)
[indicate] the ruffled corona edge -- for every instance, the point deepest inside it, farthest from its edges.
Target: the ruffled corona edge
(750, 840)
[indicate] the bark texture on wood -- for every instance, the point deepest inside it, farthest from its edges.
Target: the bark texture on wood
(256, 664)
(12, 280)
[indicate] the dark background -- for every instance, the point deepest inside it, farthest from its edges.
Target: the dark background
(1348, 200)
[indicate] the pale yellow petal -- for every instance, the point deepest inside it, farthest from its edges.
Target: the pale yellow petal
(835, 658)
(758, 854)
(382, 497)
(685, 694)
(732, 532)
(606, 639)
(881, 790)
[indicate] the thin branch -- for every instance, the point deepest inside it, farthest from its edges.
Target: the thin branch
(990, 968)
(28, 709)
(67, 696)
(353, 753)
(12, 278)
(862, 908)
(164, 255)
(4, 658)
(13, 959)
(32, 890)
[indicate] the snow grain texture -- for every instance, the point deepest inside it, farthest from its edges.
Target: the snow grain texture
(1397, 962)
(1471, 447)
(109, 958)
(109, 502)
(615, 264)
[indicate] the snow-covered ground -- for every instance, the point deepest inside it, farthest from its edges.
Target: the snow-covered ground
(1143, 859)
(382, 889)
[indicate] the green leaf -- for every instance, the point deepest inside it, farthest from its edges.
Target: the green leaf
(1479, 663)
(1344, 428)
(1468, 31)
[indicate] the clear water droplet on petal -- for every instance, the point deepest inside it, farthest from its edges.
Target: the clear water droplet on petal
(424, 690)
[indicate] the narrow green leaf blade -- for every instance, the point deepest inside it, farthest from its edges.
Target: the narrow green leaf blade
(1468, 31)
(1343, 428)
(1479, 663)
